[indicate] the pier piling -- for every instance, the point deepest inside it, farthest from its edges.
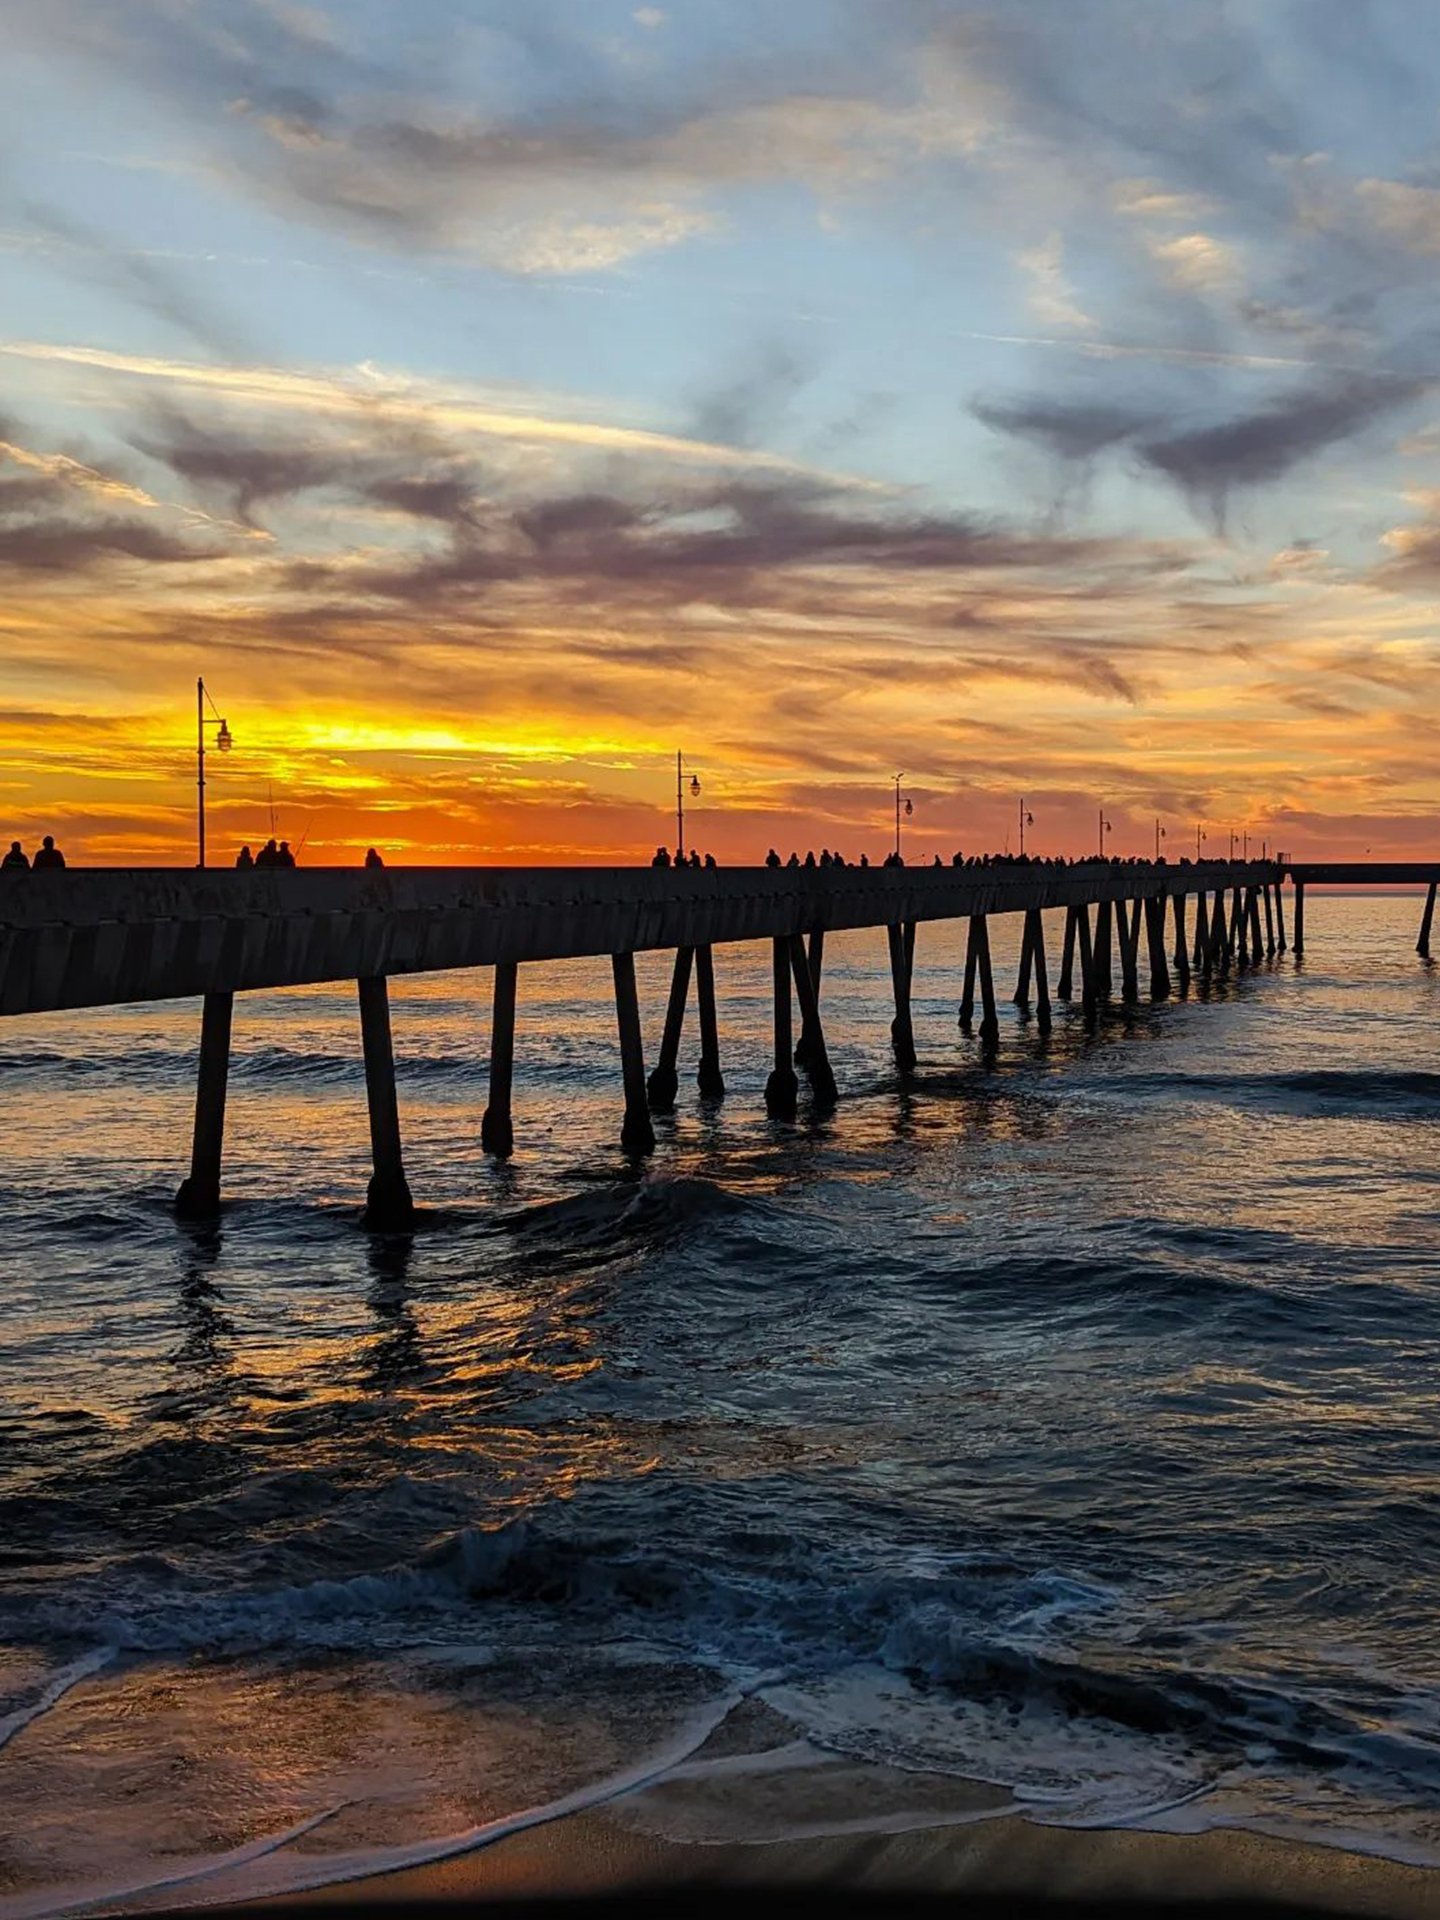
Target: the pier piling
(1182, 945)
(989, 1018)
(1269, 921)
(388, 1205)
(199, 1195)
(1101, 980)
(1422, 945)
(708, 1077)
(1035, 929)
(637, 1136)
(815, 961)
(1065, 985)
(1087, 958)
(1128, 929)
(1280, 915)
(664, 1082)
(1155, 933)
(967, 992)
(902, 1033)
(817, 1058)
(782, 1088)
(497, 1134)
(1299, 917)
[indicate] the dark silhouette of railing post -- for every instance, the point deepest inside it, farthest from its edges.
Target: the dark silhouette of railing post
(902, 949)
(817, 1059)
(782, 1088)
(664, 1081)
(387, 1204)
(497, 1132)
(708, 1076)
(1422, 945)
(637, 1136)
(199, 1195)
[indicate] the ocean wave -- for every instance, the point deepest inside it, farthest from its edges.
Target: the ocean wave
(1396, 1093)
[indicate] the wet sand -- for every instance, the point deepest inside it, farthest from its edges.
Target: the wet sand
(1018, 1863)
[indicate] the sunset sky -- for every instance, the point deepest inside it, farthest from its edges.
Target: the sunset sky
(491, 396)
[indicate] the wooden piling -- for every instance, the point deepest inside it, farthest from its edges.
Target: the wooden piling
(817, 1059)
(1155, 932)
(1022, 981)
(1182, 945)
(1299, 917)
(708, 1078)
(1422, 945)
(497, 1134)
(1219, 934)
(1101, 979)
(1086, 953)
(782, 1089)
(1269, 921)
(1252, 914)
(1036, 925)
(989, 1018)
(1129, 937)
(388, 1205)
(902, 1031)
(199, 1195)
(637, 1136)
(1280, 915)
(1201, 953)
(1065, 986)
(664, 1082)
(815, 960)
(967, 992)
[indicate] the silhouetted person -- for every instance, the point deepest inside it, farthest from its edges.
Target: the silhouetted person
(810, 858)
(284, 858)
(268, 856)
(662, 857)
(937, 861)
(793, 861)
(244, 859)
(711, 861)
(772, 858)
(372, 858)
(49, 855)
(17, 862)
(864, 859)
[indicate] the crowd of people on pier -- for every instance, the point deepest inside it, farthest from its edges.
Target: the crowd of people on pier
(279, 854)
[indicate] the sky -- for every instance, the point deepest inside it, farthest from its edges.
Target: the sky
(492, 398)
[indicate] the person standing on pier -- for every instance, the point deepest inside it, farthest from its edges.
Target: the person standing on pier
(49, 856)
(244, 860)
(16, 860)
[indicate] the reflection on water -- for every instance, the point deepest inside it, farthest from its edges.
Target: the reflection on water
(1058, 1416)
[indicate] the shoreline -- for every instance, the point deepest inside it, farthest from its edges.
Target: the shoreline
(592, 1855)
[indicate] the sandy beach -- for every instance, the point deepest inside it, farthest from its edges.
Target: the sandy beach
(1011, 1861)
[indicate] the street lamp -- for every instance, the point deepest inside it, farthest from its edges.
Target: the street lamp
(223, 740)
(680, 801)
(1026, 820)
(1160, 834)
(1106, 826)
(909, 809)
(1199, 836)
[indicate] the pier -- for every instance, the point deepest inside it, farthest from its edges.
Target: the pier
(93, 938)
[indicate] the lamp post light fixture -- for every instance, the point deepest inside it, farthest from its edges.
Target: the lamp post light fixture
(1200, 835)
(224, 740)
(1106, 826)
(909, 809)
(680, 801)
(1160, 834)
(1026, 820)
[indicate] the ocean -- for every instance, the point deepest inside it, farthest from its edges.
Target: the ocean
(1068, 1423)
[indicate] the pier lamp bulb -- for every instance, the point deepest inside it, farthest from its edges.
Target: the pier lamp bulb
(909, 806)
(694, 784)
(223, 739)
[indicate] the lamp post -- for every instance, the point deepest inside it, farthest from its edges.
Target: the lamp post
(1026, 820)
(1105, 827)
(1232, 846)
(680, 801)
(909, 808)
(1200, 835)
(1160, 834)
(223, 741)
